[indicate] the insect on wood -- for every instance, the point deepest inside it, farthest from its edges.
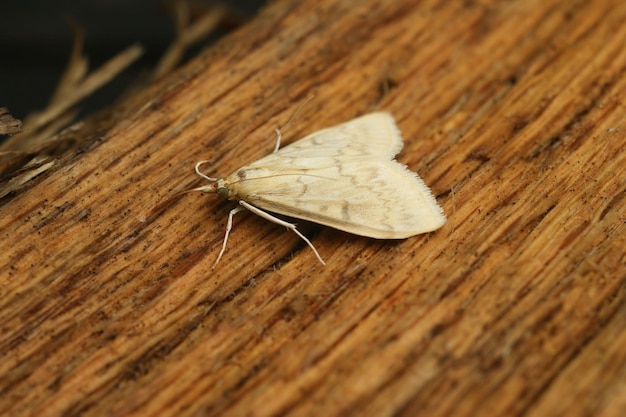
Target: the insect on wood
(343, 177)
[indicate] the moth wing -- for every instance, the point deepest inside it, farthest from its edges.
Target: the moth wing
(370, 197)
(373, 135)
(344, 177)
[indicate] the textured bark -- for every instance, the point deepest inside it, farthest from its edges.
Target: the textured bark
(512, 112)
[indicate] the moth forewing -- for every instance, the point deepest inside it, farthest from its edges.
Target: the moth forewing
(374, 134)
(386, 201)
(343, 177)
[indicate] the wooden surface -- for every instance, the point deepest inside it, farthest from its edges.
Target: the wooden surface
(513, 113)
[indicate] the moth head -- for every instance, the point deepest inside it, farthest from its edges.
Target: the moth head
(221, 187)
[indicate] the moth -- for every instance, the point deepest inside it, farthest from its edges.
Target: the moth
(343, 177)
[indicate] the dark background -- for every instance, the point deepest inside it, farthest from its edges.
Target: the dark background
(36, 41)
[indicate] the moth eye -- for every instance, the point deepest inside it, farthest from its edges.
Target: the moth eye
(223, 191)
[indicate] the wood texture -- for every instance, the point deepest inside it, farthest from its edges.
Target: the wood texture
(512, 112)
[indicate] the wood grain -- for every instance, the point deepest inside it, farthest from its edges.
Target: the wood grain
(512, 112)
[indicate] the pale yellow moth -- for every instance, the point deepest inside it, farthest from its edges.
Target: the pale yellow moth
(343, 177)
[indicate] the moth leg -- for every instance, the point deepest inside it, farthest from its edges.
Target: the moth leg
(197, 168)
(278, 138)
(280, 222)
(229, 226)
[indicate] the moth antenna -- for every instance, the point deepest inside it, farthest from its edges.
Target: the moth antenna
(293, 116)
(279, 131)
